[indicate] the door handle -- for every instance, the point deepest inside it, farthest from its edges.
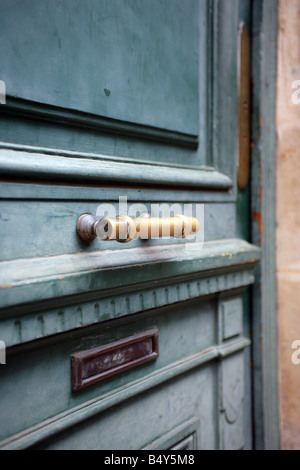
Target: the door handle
(124, 228)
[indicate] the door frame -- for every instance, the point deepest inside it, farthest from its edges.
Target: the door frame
(263, 218)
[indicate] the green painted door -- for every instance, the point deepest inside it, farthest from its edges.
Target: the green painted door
(117, 107)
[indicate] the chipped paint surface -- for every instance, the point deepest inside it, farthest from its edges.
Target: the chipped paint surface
(257, 217)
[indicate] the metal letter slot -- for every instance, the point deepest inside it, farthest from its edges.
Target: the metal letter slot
(89, 367)
(124, 228)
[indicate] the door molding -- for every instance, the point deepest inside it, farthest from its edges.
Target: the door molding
(82, 167)
(58, 283)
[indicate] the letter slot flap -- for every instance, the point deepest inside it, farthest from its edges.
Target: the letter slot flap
(94, 365)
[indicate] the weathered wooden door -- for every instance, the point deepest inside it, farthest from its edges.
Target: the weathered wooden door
(118, 107)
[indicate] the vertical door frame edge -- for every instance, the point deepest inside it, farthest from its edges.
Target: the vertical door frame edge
(263, 217)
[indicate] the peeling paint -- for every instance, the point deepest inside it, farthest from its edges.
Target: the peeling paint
(261, 122)
(258, 218)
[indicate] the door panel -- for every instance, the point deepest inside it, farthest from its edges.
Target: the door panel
(121, 67)
(123, 106)
(122, 59)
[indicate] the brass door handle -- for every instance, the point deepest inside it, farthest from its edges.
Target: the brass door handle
(124, 228)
